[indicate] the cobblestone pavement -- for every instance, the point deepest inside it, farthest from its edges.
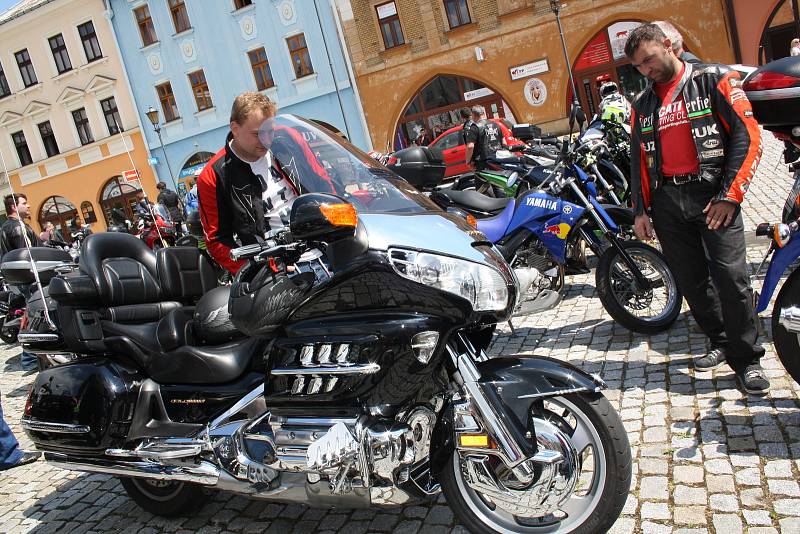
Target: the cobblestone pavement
(707, 457)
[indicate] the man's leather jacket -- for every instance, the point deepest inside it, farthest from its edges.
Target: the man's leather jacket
(11, 236)
(726, 136)
(230, 194)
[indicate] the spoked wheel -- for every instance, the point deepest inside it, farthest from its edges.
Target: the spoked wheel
(647, 311)
(165, 498)
(592, 500)
(787, 344)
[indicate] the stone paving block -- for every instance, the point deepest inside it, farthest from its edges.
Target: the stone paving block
(690, 515)
(720, 484)
(784, 487)
(653, 510)
(687, 475)
(787, 506)
(654, 488)
(685, 495)
(727, 523)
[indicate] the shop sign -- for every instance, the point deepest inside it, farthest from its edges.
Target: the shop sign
(477, 93)
(131, 175)
(618, 36)
(194, 170)
(535, 92)
(529, 69)
(596, 53)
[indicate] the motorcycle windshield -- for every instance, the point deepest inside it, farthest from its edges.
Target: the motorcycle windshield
(320, 161)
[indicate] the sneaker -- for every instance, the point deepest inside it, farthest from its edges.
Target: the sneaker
(753, 380)
(712, 360)
(26, 458)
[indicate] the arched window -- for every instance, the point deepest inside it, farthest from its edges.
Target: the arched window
(435, 108)
(117, 193)
(59, 211)
(87, 212)
(191, 170)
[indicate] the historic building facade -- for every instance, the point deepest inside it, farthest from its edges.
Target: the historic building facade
(188, 59)
(418, 61)
(68, 129)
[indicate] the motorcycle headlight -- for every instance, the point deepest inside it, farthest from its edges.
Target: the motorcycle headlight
(483, 286)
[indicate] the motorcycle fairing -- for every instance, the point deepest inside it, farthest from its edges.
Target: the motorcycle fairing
(548, 217)
(781, 259)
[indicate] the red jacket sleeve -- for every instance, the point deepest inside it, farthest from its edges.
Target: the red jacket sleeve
(219, 240)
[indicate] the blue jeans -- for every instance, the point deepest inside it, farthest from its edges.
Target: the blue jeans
(9, 447)
(28, 361)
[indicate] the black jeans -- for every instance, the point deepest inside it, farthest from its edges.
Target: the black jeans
(710, 267)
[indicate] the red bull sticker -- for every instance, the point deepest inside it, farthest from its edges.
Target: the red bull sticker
(559, 230)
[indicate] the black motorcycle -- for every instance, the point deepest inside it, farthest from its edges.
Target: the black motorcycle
(360, 382)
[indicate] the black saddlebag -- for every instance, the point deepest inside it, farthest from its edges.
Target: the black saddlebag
(82, 408)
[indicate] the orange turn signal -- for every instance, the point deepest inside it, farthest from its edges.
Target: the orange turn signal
(340, 214)
(472, 221)
(477, 441)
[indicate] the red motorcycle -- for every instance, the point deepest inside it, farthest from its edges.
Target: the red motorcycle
(156, 233)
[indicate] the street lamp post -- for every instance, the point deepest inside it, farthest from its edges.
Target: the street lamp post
(152, 116)
(555, 7)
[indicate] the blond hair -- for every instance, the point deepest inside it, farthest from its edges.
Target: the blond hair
(247, 103)
(795, 42)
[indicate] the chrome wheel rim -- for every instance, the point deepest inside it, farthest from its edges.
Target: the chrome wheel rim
(577, 509)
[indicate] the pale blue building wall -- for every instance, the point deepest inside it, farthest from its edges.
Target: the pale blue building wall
(218, 43)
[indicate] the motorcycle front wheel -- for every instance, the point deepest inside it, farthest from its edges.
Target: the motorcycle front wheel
(787, 344)
(604, 453)
(647, 311)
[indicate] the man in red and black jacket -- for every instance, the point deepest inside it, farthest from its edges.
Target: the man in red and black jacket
(243, 191)
(695, 147)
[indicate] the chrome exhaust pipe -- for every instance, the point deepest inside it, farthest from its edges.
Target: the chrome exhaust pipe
(790, 319)
(204, 473)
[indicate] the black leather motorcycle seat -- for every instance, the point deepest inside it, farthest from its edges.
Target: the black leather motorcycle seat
(474, 200)
(184, 273)
(164, 350)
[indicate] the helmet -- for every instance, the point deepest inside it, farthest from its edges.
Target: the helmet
(211, 318)
(608, 88)
(194, 224)
(261, 299)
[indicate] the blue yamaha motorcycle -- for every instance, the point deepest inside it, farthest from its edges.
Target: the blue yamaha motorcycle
(774, 92)
(543, 234)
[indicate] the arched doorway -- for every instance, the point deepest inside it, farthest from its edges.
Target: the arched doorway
(59, 211)
(782, 26)
(435, 107)
(191, 170)
(119, 194)
(604, 57)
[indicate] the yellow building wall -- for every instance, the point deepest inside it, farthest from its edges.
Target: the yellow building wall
(389, 79)
(82, 183)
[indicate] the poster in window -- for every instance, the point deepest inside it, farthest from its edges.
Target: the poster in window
(618, 35)
(387, 10)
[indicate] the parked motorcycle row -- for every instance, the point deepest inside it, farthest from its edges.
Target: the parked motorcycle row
(345, 363)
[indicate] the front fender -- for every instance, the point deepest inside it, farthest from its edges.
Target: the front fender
(782, 258)
(517, 381)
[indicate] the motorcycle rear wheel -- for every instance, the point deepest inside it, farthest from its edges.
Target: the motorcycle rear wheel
(603, 486)
(166, 499)
(625, 302)
(787, 344)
